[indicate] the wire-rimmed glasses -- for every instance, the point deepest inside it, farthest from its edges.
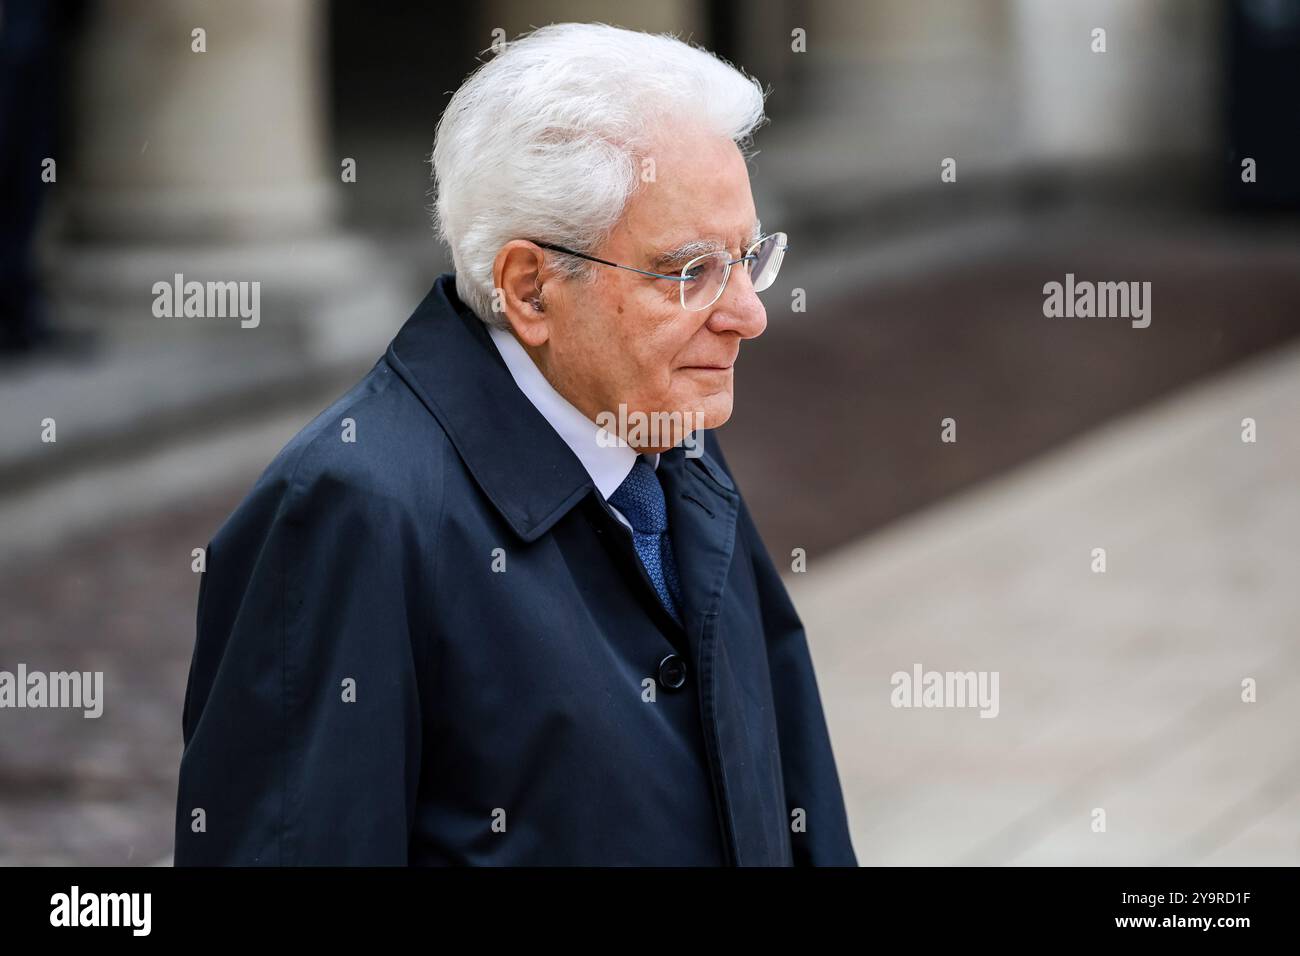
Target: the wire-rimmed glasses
(704, 278)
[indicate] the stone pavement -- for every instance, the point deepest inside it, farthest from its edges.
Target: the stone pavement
(1118, 690)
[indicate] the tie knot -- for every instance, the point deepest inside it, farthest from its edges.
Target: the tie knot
(641, 499)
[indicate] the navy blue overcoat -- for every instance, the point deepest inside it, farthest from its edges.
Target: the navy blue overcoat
(434, 644)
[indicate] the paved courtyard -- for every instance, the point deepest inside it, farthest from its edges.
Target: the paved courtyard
(1119, 690)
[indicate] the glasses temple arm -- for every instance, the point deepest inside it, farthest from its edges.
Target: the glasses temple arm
(606, 262)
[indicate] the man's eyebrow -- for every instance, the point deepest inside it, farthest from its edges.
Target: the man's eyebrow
(687, 250)
(698, 247)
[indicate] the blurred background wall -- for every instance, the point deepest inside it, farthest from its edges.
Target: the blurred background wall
(924, 302)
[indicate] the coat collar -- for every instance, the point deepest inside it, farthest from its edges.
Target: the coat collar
(528, 472)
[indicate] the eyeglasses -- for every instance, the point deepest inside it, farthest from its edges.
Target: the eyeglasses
(705, 277)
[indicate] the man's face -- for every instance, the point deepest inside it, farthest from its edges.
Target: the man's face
(622, 337)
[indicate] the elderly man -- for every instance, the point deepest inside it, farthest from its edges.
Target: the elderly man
(475, 613)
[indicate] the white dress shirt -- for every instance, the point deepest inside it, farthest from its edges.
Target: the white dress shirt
(608, 464)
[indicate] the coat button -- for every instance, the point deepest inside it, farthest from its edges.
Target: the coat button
(672, 672)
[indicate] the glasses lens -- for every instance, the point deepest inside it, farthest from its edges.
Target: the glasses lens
(705, 283)
(766, 263)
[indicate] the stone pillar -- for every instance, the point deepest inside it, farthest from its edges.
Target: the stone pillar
(211, 164)
(1151, 94)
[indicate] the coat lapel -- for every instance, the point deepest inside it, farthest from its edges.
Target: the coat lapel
(703, 505)
(702, 508)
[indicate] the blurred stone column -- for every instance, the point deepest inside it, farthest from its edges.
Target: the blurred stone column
(1151, 94)
(211, 164)
(884, 92)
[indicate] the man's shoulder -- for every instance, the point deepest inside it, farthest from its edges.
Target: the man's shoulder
(374, 443)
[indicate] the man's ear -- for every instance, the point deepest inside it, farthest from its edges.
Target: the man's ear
(519, 282)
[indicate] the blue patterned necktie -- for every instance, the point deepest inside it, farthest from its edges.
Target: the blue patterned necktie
(640, 499)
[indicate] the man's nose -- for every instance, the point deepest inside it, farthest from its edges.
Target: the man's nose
(739, 310)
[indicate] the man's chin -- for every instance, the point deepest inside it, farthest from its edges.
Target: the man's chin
(713, 411)
(662, 430)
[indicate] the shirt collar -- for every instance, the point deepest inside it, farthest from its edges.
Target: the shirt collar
(608, 463)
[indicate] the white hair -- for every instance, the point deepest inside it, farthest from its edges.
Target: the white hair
(545, 140)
